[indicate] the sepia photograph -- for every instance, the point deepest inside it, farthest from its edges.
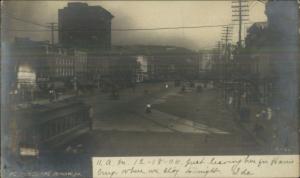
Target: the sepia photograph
(86, 80)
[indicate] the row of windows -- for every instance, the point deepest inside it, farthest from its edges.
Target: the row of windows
(61, 125)
(81, 60)
(64, 72)
(69, 63)
(64, 62)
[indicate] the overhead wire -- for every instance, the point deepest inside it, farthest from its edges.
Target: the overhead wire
(114, 29)
(24, 20)
(134, 29)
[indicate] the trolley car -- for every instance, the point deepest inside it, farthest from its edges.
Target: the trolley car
(45, 127)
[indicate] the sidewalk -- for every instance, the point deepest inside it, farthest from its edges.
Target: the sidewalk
(258, 125)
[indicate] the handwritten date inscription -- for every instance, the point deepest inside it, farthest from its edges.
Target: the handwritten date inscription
(196, 166)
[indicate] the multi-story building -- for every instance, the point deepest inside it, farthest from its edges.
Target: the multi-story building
(127, 65)
(38, 65)
(61, 64)
(111, 68)
(142, 68)
(205, 61)
(84, 26)
(80, 65)
(161, 63)
(29, 63)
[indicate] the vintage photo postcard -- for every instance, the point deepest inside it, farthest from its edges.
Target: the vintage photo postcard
(149, 88)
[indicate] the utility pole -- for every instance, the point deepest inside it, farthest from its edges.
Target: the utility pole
(218, 48)
(52, 26)
(217, 58)
(226, 38)
(240, 14)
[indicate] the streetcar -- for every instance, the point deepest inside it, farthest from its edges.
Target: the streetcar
(46, 127)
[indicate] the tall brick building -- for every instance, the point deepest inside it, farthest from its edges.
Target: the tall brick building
(84, 26)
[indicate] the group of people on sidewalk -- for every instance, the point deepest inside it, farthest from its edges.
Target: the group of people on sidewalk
(268, 124)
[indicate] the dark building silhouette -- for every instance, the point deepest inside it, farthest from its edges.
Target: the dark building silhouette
(84, 26)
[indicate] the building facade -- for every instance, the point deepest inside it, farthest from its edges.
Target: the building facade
(84, 26)
(142, 68)
(106, 70)
(39, 66)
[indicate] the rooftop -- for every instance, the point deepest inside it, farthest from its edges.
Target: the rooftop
(145, 50)
(80, 6)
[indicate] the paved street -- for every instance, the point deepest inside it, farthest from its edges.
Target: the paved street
(181, 123)
(186, 123)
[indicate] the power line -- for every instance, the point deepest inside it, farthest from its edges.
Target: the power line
(133, 29)
(125, 29)
(24, 20)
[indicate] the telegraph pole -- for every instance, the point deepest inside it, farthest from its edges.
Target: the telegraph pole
(226, 38)
(240, 13)
(52, 26)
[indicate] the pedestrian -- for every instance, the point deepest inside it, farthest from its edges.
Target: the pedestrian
(285, 136)
(269, 113)
(91, 115)
(258, 129)
(230, 100)
(183, 88)
(274, 140)
(167, 86)
(146, 91)
(148, 108)
(199, 88)
(264, 114)
(244, 114)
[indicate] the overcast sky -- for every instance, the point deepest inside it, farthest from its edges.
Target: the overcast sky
(144, 14)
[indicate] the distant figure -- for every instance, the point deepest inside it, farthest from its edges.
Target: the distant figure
(258, 129)
(230, 100)
(269, 113)
(192, 84)
(167, 86)
(145, 91)
(91, 115)
(133, 87)
(53, 96)
(148, 108)
(199, 88)
(114, 93)
(263, 114)
(183, 88)
(177, 83)
(245, 114)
